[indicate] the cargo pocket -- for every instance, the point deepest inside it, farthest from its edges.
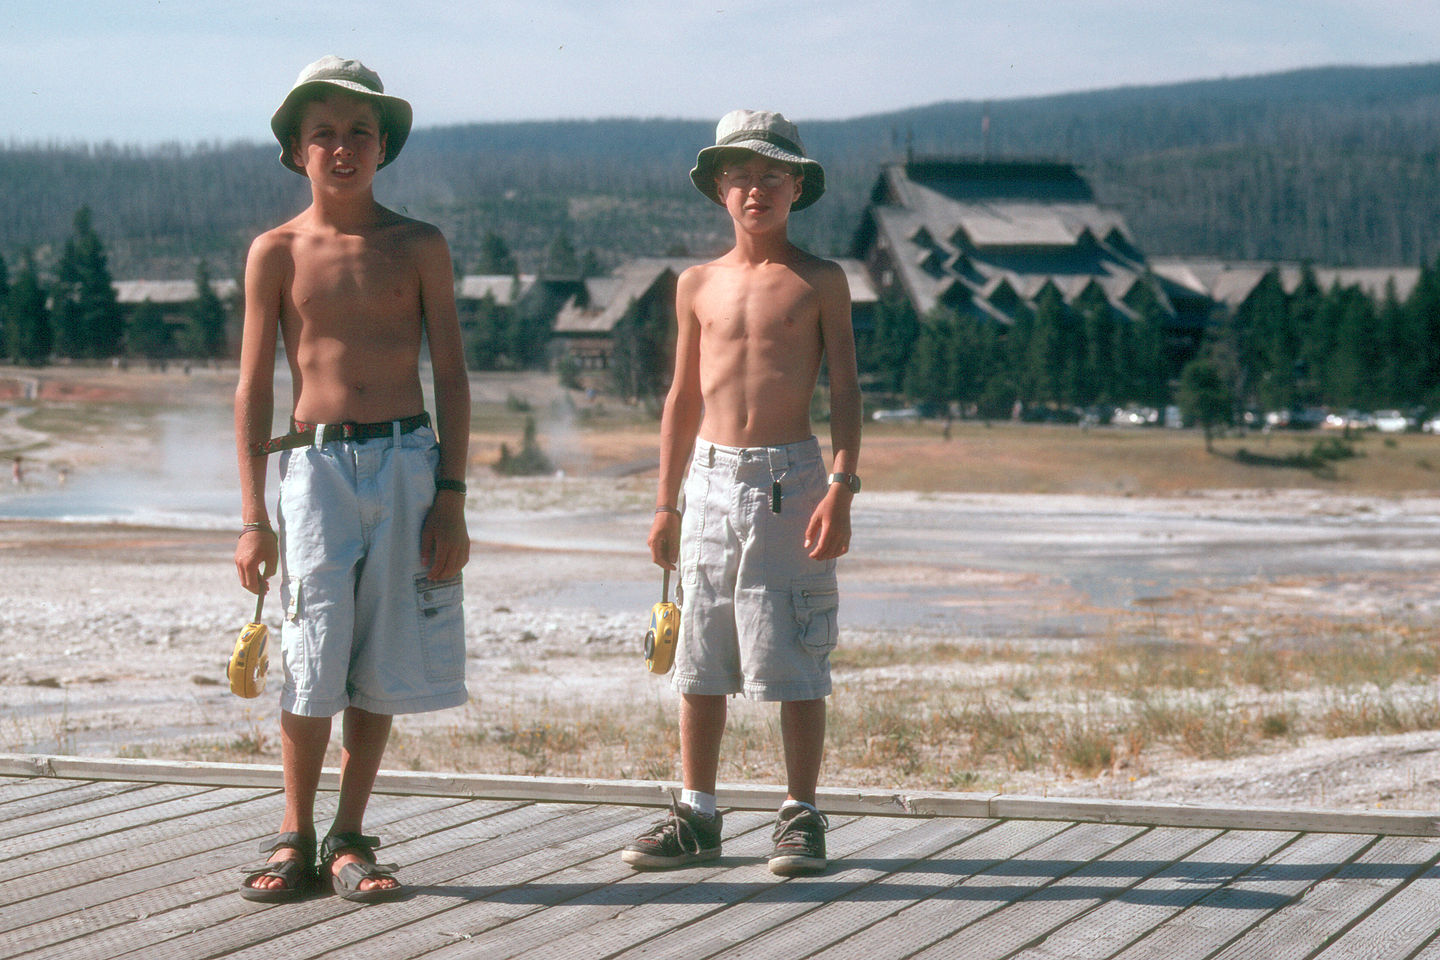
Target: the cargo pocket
(442, 627)
(817, 601)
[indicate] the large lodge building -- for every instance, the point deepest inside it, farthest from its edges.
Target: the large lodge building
(979, 237)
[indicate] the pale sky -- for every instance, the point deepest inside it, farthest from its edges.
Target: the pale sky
(151, 71)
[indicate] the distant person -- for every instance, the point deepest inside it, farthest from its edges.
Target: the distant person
(371, 510)
(763, 523)
(17, 471)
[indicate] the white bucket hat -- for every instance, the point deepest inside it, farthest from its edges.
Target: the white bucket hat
(762, 132)
(351, 76)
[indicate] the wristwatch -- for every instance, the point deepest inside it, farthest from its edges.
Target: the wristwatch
(849, 479)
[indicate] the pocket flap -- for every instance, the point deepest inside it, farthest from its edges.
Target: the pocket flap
(437, 594)
(814, 593)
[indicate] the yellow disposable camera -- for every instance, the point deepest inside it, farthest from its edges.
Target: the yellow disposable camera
(664, 631)
(251, 659)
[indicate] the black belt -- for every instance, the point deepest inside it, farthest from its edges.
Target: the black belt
(303, 434)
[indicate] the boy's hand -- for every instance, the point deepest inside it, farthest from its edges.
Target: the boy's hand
(664, 540)
(257, 553)
(828, 533)
(444, 541)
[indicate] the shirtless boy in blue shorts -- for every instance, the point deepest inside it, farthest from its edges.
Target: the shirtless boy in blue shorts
(372, 532)
(763, 523)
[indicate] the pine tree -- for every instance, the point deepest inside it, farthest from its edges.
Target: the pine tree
(927, 375)
(485, 335)
(29, 336)
(87, 312)
(147, 334)
(205, 327)
(1204, 398)
(495, 256)
(561, 261)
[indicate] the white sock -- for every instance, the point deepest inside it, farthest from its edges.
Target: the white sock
(701, 803)
(797, 803)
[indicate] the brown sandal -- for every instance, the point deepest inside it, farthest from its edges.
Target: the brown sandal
(296, 873)
(347, 882)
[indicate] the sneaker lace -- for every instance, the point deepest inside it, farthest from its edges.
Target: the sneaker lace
(676, 825)
(795, 825)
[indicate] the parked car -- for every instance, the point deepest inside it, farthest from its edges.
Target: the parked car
(901, 414)
(1393, 421)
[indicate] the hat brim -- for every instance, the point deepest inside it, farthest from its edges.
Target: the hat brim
(396, 117)
(811, 187)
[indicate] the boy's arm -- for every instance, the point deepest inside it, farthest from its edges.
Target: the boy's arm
(257, 552)
(828, 533)
(444, 541)
(679, 423)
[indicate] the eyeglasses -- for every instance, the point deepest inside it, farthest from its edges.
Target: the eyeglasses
(744, 179)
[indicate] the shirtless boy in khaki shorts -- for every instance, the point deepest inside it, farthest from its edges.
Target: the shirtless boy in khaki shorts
(371, 525)
(763, 523)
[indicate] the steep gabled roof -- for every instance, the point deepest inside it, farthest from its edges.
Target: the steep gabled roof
(1031, 221)
(503, 288)
(169, 291)
(1232, 282)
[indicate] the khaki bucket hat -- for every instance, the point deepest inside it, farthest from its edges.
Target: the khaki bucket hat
(762, 132)
(351, 76)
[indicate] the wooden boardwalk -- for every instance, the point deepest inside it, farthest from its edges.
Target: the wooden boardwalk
(137, 859)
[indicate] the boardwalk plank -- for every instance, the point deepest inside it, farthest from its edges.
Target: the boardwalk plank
(594, 892)
(144, 869)
(1227, 913)
(73, 806)
(934, 918)
(231, 924)
(1301, 928)
(231, 828)
(885, 878)
(170, 899)
(1398, 927)
(785, 904)
(465, 873)
(35, 873)
(745, 874)
(1028, 920)
(16, 789)
(1107, 929)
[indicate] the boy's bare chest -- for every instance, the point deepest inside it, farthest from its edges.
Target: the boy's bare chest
(357, 280)
(775, 310)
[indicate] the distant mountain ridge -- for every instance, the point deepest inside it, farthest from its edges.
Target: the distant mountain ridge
(1337, 165)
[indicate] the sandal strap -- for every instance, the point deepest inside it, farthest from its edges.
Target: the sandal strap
(304, 843)
(353, 873)
(363, 846)
(291, 872)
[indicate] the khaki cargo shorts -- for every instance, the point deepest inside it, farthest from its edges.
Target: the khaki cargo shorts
(364, 625)
(758, 615)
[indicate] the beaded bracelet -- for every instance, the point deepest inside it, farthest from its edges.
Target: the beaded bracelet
(256, 525)
(445, 483)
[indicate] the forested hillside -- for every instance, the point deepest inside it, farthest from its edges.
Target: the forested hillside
(1337, 166)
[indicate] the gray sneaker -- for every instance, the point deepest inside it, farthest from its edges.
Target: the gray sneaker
(682, 838)
(799, 842)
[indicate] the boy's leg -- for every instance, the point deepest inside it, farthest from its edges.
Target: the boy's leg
(365, 737)
(802, 730)
(685, 835)
(799, 833)
(702, 727)
(302, 754)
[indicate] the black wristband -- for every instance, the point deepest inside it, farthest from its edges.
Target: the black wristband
(445, 483)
